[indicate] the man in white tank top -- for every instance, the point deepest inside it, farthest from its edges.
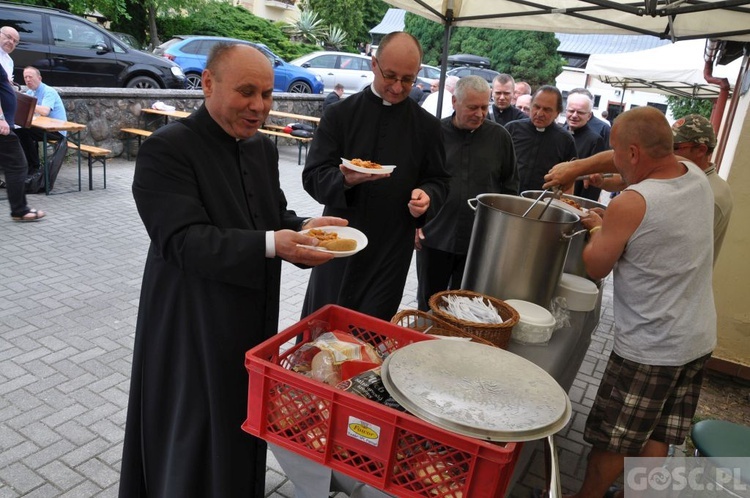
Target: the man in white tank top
(694, 140)
(657, 238)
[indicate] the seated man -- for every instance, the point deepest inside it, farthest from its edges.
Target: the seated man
(48, 103)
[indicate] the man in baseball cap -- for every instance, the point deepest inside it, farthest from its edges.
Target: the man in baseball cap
(695, 140)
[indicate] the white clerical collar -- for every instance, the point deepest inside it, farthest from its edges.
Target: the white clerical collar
(385, 102)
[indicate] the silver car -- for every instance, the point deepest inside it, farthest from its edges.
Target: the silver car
(351, 70)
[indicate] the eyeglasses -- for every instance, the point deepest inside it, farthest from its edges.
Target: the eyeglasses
(405, 81)
(15, 41)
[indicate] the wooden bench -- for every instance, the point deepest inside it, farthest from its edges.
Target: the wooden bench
(301, 141)
(95, 155)
(137, 132)
(277, 130)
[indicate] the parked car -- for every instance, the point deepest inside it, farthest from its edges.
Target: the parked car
(191, 52)
(426, 75)
(487, 74)
(128, 39)
(429, 72)
(458, 60)
(71, 51)
(351, 70)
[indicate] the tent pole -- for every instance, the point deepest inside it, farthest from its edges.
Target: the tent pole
(444, 61)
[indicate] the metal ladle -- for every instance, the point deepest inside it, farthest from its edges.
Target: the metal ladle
(557, 192)
(534, 203)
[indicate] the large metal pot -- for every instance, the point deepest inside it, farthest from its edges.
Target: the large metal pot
(574, 261)
(516, 257)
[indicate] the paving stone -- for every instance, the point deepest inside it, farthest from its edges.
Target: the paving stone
(60, 475)
(21, 478)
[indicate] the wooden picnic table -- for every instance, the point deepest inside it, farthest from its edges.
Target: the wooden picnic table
(48, 125)
(166, 114)
(289, 115)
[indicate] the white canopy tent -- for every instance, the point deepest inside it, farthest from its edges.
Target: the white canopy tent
(674, 69)
(669, 19)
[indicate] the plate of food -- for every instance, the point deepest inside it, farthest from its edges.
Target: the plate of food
(339, 241)
(369, 167)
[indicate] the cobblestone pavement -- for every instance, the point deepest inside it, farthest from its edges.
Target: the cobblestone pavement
(69, 289)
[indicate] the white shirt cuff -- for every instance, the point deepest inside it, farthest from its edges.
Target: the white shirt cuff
(270, 245)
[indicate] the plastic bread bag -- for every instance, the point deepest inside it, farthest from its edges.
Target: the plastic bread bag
(341, 356)
(559, 309)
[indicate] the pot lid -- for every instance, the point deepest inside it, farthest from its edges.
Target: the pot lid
(476, 390)
(577, 284)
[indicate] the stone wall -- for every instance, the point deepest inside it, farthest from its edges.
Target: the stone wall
(105, 110)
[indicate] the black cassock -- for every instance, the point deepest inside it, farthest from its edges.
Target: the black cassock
(361, 126)
(209, 294)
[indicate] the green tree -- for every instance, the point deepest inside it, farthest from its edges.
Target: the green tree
(354, 17)
(526, 55)
(682, 106)
(134, 21)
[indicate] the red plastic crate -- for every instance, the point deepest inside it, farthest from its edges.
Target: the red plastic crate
(391, 450)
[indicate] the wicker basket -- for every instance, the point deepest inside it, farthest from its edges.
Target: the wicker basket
(496, 333)
(427, 323)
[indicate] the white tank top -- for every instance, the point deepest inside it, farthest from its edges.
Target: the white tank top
(663, 299)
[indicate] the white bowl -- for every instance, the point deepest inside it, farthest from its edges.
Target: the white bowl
(535, 325)
(580, 293)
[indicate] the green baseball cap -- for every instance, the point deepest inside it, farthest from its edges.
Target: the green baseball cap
(694, 128)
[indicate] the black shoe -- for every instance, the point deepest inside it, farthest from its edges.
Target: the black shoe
(2, 184)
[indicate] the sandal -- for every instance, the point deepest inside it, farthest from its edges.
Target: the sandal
(32, 215)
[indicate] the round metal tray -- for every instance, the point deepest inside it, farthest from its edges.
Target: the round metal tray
(476, 390)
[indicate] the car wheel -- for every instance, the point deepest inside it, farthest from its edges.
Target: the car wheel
(142, 82)
(193, 81)
(300, 87)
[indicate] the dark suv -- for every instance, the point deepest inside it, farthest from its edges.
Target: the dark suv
(71, 51)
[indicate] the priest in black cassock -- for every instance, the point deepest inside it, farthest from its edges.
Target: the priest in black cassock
(383, 125)
(588, 142)
(207, 189)
(539, 141)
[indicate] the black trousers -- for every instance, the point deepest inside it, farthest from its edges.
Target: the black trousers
(13, 162)
(437, 271)
(30, 138)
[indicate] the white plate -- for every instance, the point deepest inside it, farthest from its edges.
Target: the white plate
(564, 205)
(384, 170)
(344, 233)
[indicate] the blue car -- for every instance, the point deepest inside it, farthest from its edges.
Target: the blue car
(191, 51)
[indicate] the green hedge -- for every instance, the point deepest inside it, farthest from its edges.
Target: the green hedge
(222, 19)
